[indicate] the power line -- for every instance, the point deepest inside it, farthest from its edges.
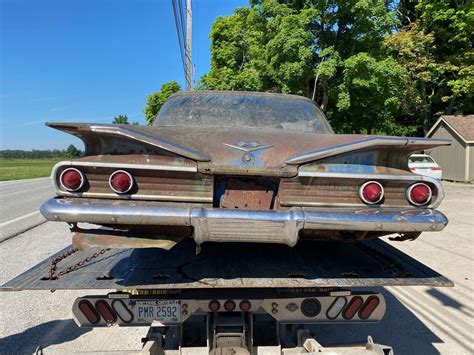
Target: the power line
(184, 32)
(178, 20)
(181, 8)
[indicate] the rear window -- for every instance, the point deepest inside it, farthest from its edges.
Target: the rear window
(421, 159)
(241, 109)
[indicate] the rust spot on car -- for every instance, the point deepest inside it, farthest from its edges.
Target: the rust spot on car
(246, 195)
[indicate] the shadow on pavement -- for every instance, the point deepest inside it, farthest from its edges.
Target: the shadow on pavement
(445, 299)
(44, 335)
(400, 329)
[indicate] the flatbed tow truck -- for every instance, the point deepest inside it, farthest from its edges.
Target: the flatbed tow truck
(232, 298)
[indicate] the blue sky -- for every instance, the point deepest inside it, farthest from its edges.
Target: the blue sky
(88, 61)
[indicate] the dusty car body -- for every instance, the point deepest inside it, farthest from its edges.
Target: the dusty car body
(240, 167)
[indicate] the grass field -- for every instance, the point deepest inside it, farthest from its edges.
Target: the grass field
(18, 169)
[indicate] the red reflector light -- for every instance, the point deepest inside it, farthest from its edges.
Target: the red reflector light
(369, 306)
(88, 310)
(419, 194)
(72, 179)
(229, 305)
(214, 306)
(436, 168)
(245, 305)
(352, 307)
(121, 181)
(371, 192)
(106, 312)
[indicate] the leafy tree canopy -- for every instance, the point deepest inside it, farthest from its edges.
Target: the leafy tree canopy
(72, 152)
(381, 66)
(120, 119)
(157, 99)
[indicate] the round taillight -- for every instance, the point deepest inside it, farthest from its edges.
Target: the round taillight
(214, 306)
(229, 305)
(121, 181)
(419, 194)
(371, 192)
(72, 179)
(245, 305)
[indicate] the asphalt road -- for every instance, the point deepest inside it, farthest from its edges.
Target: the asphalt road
(419, 320)
(19, 204)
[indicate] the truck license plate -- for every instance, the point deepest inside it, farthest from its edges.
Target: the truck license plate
(166, 311)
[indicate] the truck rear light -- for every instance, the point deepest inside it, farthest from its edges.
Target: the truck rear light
(371, 192)
(419, 194)
(310, 307)
(229, 305)
(72, 179)
(89, 311)
(122, 311)
(214, 305)
(106, 312)
(336, 307)
(245, 305)
(369, 307)
(352, 308)
(121, 181)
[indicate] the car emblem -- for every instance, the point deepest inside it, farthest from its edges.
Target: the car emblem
(248, 146)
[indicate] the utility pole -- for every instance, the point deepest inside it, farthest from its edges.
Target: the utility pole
(189, 31)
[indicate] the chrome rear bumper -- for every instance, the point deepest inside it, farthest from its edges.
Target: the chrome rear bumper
(234, 225)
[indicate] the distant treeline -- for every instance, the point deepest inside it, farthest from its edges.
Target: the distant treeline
(70, 152)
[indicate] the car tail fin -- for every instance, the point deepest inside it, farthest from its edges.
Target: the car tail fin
(405, 146)
(102, 139)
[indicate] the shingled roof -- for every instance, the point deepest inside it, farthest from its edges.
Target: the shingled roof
(463, 125)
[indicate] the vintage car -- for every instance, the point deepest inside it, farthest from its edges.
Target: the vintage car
(240, 167)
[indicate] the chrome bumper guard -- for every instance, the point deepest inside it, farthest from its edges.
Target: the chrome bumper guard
(234, 225)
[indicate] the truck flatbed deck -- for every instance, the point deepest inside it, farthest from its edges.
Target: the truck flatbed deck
(309, 264)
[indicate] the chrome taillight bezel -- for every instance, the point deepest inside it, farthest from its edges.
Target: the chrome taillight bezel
(83, 179)
(361, 192)
(411, 187)
(132, 182)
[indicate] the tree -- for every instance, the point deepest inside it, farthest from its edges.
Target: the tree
(282, 46)
(434, 45)
(120, 119)
(381, 66)
(157, 99)
(72, 152)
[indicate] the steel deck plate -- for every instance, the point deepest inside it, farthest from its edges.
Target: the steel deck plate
(309, 264)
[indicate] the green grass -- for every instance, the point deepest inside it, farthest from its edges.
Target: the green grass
(18, 169)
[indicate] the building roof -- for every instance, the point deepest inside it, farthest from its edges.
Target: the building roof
(462, 125)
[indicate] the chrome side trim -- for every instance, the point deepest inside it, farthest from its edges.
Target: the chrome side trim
(190, 169)
(137, 197)
(234, 225)
(412, 177)
(365, 143)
